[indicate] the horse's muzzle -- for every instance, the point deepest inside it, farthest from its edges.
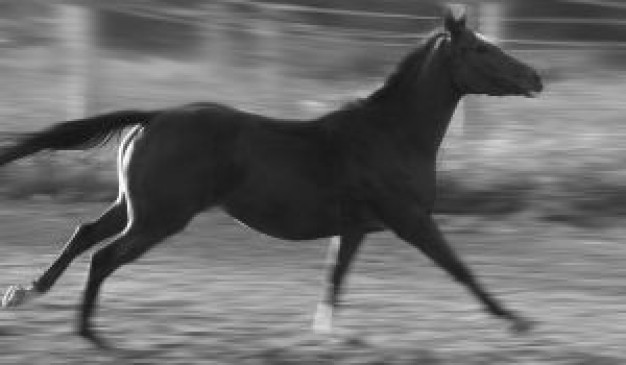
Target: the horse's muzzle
(535, 85)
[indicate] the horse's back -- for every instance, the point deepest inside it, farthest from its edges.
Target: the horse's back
(275, 176)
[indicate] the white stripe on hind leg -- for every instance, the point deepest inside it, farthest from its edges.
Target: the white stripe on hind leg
(18, 295)
(323, 320)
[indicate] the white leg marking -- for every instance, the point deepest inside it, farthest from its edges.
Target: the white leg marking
(17, 295)
(323, 320)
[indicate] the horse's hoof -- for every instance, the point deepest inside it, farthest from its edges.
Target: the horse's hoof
(94, 339)
(323, 320)
(17, 295)
(522, 325)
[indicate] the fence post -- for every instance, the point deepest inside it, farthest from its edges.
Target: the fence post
(76, 25)
(490, 20)
(485, 17)
(268, 33)
(216, 42)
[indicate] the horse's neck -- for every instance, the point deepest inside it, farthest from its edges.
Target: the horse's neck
(425, 110)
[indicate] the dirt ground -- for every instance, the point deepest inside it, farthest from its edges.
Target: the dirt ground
(221, 294)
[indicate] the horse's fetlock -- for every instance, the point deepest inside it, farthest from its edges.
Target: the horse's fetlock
(41, 287)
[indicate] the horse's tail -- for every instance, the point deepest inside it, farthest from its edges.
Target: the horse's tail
(76, 134)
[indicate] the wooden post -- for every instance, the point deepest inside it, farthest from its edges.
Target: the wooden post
(488, 21)
(269, 40)
(490, 18)
(76, 35)
(216, 46)
(485, 17)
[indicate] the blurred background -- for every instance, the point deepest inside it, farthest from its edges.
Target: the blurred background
(525, 184)
(561, 155)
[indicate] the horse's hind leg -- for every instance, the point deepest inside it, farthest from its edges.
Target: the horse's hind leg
(85, 236)
(130, 245)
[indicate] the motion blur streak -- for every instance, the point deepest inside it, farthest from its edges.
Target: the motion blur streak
(532, 192)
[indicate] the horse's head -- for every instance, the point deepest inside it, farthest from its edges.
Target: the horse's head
(481, 67)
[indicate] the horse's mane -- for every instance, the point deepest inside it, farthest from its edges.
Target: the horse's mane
(407, 67)
(402, 74)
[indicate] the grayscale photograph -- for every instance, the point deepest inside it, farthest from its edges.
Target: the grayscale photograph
(282, 182)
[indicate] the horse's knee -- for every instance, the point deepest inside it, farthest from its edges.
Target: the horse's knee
(100, 261)
(108, 259)
(84, 230)
(110, 223)
(118, 253)
(80, 240)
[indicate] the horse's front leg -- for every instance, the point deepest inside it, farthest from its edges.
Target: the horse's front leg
(419, 229)
(341, 252)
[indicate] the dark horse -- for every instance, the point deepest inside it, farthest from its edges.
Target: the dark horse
(366, 167)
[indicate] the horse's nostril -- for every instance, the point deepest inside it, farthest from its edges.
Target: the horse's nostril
(539, 83)
(537, 80)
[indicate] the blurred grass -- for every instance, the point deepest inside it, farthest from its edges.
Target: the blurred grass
(560, 156)
(218, 293)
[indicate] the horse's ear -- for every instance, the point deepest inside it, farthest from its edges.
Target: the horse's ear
(455, 19)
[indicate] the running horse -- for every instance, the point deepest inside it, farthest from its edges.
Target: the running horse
(363, 168)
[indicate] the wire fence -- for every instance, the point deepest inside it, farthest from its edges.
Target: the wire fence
(273, 27)
(383, 38)
(282, 16)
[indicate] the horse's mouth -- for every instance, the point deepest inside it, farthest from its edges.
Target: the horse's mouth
(531, 93)
(528, 88)
(536, 86)
(518, 91)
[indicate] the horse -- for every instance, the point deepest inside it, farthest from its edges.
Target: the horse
(363, 168)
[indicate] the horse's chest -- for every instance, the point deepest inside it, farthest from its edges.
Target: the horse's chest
(391, 176)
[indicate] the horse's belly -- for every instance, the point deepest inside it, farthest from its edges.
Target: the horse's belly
(287, 213)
